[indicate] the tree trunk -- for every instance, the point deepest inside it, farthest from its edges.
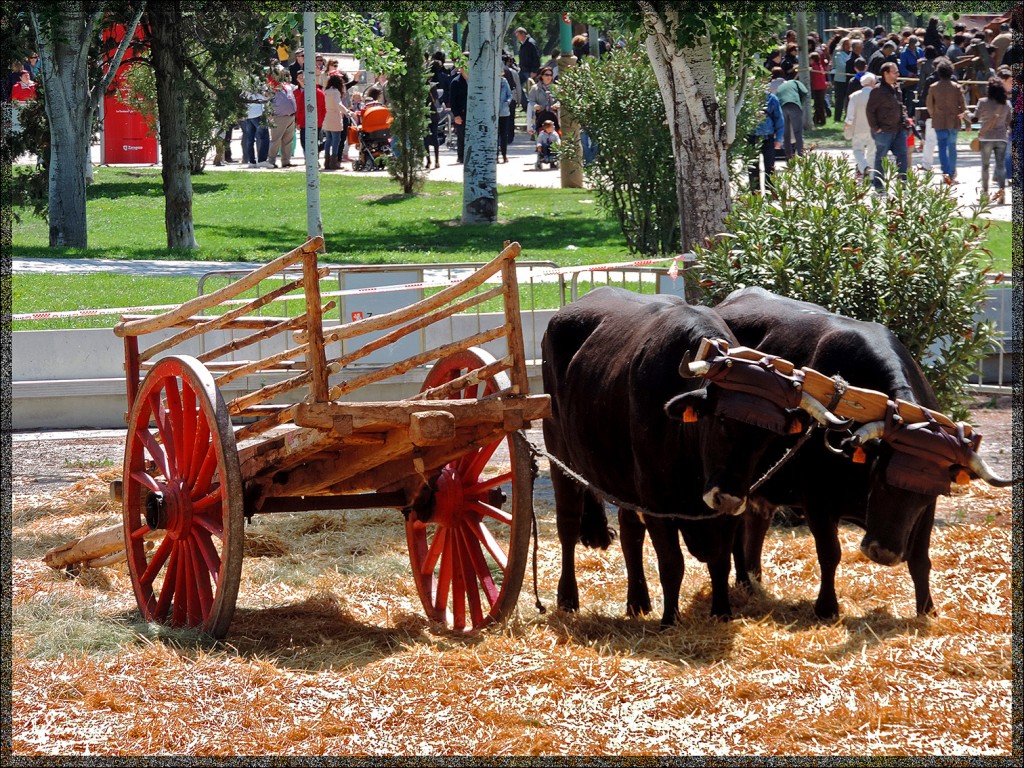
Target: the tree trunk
(480, 175)
(165, 26)
(805, 63)
(314, 224)
(686, 79)
(63, 46)
(69, 153)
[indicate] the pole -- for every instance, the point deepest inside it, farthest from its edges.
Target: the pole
(564, 34)
(314, 224)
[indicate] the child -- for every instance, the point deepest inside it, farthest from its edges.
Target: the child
(547, 144)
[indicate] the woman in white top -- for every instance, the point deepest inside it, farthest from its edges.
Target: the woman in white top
(334, 121)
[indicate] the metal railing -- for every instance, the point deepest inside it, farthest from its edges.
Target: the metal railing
(994, 374)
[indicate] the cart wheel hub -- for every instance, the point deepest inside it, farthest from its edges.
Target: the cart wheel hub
(156, 511)
(173, 510)
(449, 502)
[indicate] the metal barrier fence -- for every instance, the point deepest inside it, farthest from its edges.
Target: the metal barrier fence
(375, 289)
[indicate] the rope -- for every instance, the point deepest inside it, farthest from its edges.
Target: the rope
(537, 451)
(785, 457)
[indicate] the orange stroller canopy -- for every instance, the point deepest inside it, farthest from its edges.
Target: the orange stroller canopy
(376, 118)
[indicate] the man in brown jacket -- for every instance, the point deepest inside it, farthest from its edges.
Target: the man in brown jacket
(946, 108)
(887, 119)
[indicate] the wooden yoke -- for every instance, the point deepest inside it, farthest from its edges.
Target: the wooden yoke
(861, 405)
(316, 358)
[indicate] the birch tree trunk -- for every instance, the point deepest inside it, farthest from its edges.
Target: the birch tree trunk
(165, 26)
(487, 25)
(686, 79)
(63, 34)
(314, 224)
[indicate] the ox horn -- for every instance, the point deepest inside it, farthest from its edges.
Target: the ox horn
(690, 370)
(821, 414)
(871, 431)
(985, 472)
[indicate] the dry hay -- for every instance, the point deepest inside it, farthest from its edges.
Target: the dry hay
(330, 653)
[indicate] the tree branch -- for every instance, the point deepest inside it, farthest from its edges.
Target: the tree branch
(115, 62)
(191, 67)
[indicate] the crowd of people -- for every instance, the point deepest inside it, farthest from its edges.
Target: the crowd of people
(890, 88)
(20, 87)
(275, 113)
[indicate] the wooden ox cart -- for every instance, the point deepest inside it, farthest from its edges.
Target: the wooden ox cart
(197, 466)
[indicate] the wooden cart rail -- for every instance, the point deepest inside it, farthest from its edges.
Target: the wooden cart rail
(305, 356)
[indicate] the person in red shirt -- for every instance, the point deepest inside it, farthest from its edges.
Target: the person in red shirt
(300, 114)
(819, 84)
(25, 88)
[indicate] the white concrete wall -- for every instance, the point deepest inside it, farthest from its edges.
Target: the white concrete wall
(75, 379)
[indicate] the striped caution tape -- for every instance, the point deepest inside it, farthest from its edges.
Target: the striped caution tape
(59, 315)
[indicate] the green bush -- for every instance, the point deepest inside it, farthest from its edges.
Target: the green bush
(906, 260)
(617, 102)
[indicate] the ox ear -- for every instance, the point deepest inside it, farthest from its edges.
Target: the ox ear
(689, 406)
(797, 420)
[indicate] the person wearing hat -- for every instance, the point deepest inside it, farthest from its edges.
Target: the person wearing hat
(282, 116)
(297, 66)
(856, 127)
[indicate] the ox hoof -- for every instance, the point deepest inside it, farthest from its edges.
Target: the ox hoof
(826, 610)
(635, 611)
(568, 604)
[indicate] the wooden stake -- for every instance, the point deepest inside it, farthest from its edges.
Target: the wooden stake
(439, 299)
(401, 367)
(514, 322)
(315, 357)
(281, 327)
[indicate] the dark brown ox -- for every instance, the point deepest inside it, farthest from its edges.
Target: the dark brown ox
(611, 365)
(892, 493)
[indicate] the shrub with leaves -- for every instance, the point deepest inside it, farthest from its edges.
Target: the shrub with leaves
(907, 260)
(618, 103)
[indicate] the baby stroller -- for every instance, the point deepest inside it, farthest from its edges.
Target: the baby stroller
(547, 155)
(373, 138)
(548, 145)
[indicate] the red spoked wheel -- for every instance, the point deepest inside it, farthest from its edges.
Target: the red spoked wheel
(182, 477)
(469, 546)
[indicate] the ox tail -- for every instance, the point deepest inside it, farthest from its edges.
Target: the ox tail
(594, 529)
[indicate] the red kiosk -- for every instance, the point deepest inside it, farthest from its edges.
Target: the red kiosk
(126, 137)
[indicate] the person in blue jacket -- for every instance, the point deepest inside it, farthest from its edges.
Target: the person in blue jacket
(768, 135)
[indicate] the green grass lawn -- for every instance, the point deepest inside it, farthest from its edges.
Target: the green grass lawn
(246, 216)
(256, 217)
